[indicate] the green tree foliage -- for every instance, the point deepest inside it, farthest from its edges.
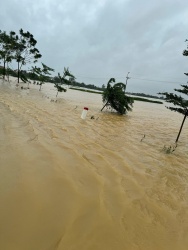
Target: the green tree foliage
(6, 49)
(42, 73)
(115, 98)
(23, 77)
(59, 88)
(25, 50)
(66, 79)
(180, 104)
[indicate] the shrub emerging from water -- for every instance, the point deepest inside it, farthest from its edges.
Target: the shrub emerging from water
(115, 98)
(42, 73)
(64, 80)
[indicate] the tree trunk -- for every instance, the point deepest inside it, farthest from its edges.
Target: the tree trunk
(7, 72)
(104, 106)
(4, 69)
(181, 126)
(18, 72)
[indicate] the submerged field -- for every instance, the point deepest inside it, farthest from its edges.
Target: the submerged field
(68, 183)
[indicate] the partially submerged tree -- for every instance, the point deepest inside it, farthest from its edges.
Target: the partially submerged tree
(59, 88)
(180, 104)
(66, 79)
(115, 98)
(42, 73)
(25, 50)
(24, 78)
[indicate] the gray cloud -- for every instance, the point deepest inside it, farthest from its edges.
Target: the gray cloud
(100, 39)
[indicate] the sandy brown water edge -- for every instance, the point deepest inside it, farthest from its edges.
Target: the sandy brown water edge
(66, 183)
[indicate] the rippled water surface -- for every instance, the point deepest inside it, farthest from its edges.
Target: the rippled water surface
(68, 183)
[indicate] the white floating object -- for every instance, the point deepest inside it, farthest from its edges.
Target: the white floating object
(84, 113)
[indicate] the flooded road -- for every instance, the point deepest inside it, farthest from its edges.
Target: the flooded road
(103, 183)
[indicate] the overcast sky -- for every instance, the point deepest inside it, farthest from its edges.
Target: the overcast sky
(100, 39)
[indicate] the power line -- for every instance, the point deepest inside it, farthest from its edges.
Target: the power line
(141, 75)
(152, 80)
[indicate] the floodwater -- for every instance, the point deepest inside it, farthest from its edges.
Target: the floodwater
(94, 184)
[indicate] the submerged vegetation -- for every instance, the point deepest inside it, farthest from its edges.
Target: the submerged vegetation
(21, 48)
(18, 47)
(42, 73)
(64, 80)
(145, 95)
(169, 149)
(180, 104)
(114, 97)
(146, 100)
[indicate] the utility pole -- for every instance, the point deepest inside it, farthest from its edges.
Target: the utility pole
(127, 78)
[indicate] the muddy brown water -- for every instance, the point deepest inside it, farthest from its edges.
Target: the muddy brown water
(68, 183)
